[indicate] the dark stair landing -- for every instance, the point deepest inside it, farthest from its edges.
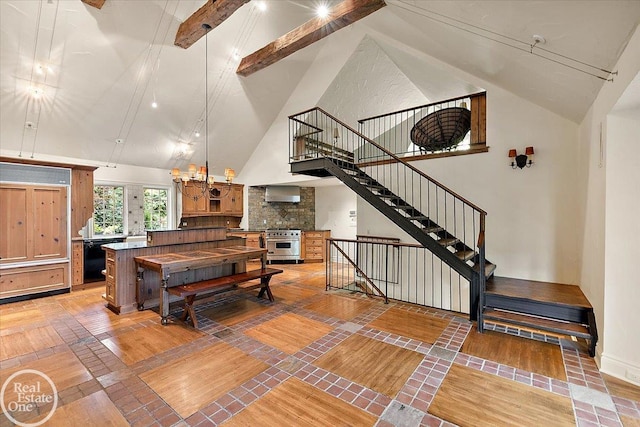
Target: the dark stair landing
(551, 307)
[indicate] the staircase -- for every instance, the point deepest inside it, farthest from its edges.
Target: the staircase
(548, 307)
(442, 221)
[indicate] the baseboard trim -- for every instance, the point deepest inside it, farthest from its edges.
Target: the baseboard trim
(618, 368)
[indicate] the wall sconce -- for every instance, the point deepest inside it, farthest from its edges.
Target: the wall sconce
(521, 160)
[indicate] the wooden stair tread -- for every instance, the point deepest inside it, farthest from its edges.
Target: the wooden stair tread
(448, 241)
(556, 293)
(489, 268)
(465, 255)
(432, 229)
(574, 329)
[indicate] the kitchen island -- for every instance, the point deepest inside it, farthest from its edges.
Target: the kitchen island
(121, 270)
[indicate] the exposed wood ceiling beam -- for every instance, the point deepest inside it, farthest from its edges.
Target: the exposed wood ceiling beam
(95, 3)
(213, 12)
(340, 16)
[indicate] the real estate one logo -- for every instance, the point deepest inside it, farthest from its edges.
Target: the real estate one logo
(24, 392)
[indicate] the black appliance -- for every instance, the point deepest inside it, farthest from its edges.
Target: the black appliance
(94, 259)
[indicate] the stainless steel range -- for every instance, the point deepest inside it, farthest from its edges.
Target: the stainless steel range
(283, 245)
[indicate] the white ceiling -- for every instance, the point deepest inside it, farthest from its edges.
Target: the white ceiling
(108, 65)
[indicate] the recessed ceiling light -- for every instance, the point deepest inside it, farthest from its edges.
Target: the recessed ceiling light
(154, 104)
(36, 92)
(261, 5)
(236, 54)
(197, 134)
(119, 141)
(322, 11)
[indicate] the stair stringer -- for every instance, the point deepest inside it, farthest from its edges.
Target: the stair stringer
(401, 221)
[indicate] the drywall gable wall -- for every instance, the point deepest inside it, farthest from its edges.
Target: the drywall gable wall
(269, 162)
(369, 84)
(336, 210)
(591, 160)
(621, 292)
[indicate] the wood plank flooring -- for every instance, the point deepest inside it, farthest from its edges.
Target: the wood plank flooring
(295, 403)
(290, 294)
(381, 367)
(312, 357)
(517, 352)
(142, 343)
(29, 341)
(192, 381)
(466, 387)
(95, 410)
(289, 332)
(422, 327)
(234, 312)
(339, 307)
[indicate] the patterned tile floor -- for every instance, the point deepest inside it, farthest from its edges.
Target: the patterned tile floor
(100, 370)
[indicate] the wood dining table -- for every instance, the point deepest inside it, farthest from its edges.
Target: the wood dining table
(172, 263)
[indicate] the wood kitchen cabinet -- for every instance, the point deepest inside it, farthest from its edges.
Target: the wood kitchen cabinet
(33, 226)
(194, 206)
(34, 221)
(252, 237)
(222, 200)
(77, 262)
(231, 203)
(314, 245)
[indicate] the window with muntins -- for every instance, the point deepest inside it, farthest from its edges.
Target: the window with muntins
(156, 208)
(108, 205)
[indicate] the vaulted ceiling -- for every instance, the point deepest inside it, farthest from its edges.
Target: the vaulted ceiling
(95, 72)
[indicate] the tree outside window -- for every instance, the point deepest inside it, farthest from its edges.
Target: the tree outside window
(108, 205)
(156, 202)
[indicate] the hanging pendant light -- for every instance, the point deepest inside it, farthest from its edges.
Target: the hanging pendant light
(196, 182)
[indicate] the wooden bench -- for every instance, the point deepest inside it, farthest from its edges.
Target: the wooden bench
(224, 284)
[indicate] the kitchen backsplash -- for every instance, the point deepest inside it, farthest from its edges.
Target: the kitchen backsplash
(263, 215)
(135, 205)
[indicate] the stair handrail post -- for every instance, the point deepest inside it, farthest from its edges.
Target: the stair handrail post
(386, 275)
(482, 276)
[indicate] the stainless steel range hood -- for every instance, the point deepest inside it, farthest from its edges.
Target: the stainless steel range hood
(282, 194)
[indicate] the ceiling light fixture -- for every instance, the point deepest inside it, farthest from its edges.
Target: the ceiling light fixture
(196, 182)
(36, 92)
(322, 11)
(261, 5)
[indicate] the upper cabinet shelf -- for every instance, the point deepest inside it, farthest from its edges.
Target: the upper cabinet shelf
(222, 200)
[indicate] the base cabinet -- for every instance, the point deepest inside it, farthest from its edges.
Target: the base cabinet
(33, 279)
(110, 276)
(314, 245)
(77, 262)
(252, 237)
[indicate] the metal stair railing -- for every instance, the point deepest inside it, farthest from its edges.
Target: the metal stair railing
(400, 271)
(433, 209)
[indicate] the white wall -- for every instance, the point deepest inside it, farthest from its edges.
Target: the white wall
(334, 207)
(622, 226)
(531, 231)
(592, 163)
